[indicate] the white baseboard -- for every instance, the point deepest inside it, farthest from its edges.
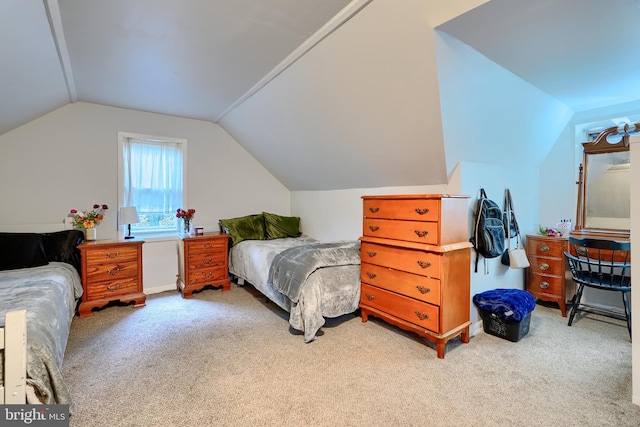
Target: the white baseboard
(158, 289)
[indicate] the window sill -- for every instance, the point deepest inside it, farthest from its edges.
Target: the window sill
(157, 237)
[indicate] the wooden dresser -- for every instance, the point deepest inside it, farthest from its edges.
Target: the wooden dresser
(545, 278)
(415, 264)
(111, 271)
(203, 261)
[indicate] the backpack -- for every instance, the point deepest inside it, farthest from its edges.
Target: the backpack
(488, 229)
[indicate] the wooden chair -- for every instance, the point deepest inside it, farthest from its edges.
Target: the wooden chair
(600, 264)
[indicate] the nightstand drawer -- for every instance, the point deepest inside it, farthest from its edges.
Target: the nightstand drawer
(413, 285)
(118, 254)
(112, 289)
(110, 272)
(553, 248)
(206, 260)
(206, 246)
(551, 266)
(419, 313)
(208, 275)
(544, 284)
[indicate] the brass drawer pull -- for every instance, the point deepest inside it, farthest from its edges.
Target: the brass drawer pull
(543, 266)
(544, 285)
(113, 272)
(422, 211)
(371, 253)
(371, 275)
(370, 297)
(207, 260)
(207, 245)
(110, 255)
(423, 290)
(374, 210)
(422, 316)
(544, 248)
(113, 289)
(421, 233)
(374, 228)
(582, 251)
(206, 275)
(424, 264)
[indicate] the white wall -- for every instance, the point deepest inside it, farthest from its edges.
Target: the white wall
(635, 267)
(68, 159)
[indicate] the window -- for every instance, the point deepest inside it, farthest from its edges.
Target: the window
(152, 178)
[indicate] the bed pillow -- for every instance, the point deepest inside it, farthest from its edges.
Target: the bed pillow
(62, 246)
(21, 250)
(250, 227)
(278, 226)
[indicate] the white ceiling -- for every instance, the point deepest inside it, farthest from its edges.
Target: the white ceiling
(202, 58)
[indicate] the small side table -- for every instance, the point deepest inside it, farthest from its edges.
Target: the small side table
(545, 278)
(111, 271)
(203, 261)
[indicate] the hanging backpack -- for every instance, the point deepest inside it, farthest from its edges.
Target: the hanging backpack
(488, 229)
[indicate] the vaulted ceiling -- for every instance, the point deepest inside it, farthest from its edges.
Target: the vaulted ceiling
(207, 60)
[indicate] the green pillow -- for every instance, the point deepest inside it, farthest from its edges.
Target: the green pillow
(278, 226)
(250, 227)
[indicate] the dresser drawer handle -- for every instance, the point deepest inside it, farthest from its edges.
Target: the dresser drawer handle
(206, 275)
(110, 255)
(371, 253)
(371, 275)
(424, 264)
(582, 251)
(423, 290)
(374, 210)
(113, 289)
(422, 316)
(543, 266)
(544, 248)
(422, 211)
(207, 245)
(544, 285)
(374, 228)
(421, 233)
(113, 272)
(207, 260)
(370, 297)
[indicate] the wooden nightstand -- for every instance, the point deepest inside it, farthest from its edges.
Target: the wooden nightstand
(203, 261)
(111, 271)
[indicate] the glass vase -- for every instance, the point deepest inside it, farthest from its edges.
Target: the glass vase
(187, 227)
(90, 233)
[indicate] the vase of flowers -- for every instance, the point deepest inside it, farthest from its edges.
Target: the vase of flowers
(187, 217)
(88, 220)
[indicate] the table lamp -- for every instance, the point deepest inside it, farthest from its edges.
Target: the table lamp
(128, 216)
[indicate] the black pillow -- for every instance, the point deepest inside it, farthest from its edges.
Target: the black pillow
(21, 250)
(62, 246)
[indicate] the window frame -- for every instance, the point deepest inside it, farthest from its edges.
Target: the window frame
(122, 138)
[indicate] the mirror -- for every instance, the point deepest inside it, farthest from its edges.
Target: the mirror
(604, 184)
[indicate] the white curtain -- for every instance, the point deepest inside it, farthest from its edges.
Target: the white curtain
(153, 176)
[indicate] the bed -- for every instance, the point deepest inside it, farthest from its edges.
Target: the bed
(309, 279)
(39, 275)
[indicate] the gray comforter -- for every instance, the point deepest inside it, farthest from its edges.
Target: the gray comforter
(290, 268)
(49, 295)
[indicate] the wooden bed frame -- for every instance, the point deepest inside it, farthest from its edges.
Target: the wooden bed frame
(13, 341)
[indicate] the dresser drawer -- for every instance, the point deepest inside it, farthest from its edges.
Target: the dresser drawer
(109, 255)
(112, 289)
(552, 266)
(208, 275)
(412, 261)
(417, 312)
(422, 288)
(553, 248)
(413, 209)
(411, 231)
(201, 246)
(206, 260)
(111, 271)
(544, 284)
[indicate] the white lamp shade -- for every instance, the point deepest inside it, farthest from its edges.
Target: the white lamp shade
(128, 215)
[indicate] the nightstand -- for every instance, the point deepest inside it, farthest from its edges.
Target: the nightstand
(203, 261)
(111, 271)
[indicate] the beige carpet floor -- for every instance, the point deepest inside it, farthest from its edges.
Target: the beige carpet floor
(229, 359)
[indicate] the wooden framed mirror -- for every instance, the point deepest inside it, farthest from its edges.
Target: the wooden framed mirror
(604, 183)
